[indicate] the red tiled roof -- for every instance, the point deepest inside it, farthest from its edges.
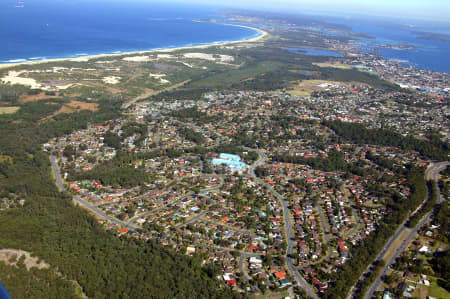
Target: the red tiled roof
(252, 247)
(231, 282)
(280, 275)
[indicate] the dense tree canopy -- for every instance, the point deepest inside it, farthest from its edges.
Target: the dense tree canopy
(68, 238)
(359, 134)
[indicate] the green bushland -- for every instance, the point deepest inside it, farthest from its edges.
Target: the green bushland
(70, 239)
(359, 134)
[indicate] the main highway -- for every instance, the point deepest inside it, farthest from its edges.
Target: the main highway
(287, 223)
(430, 174)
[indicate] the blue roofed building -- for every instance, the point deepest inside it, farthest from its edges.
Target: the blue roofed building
(233, 162)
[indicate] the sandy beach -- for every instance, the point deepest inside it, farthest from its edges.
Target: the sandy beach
(262, 35)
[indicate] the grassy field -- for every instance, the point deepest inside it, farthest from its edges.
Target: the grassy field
(4, 158)
(234, 76)
(306, 87)
(333, 65)
(434, 290)
(8, 110)
(76, 106)
(37, 97)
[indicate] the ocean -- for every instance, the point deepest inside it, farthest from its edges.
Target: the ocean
(48, 29)
(32, 30)
(3, 293)
(424, 54)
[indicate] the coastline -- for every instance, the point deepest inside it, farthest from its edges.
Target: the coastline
(262, 34)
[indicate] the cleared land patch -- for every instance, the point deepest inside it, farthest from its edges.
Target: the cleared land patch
(306, 87)
(434, 290)
(8, 110)
(333, 65)
(111, 80)
(12, 256)
(75, 106)
(210, 57)
(35, 97)
(4, 158)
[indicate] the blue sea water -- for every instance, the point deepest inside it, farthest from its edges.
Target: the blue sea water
(425, 54)
(46, 29)
(3, 293)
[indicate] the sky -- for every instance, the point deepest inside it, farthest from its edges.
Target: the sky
(438, 10)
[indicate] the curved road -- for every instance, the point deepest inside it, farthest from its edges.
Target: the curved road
(82, 202)
(243, 257)
(430, 174)
(191, 220)
(326, 237)
(176, 200)
(165, 205)
(287, 223)
(152, 93)
(355, 229)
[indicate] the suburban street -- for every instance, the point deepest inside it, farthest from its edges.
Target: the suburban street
(242, 258)
(324, 222)
(191, 220)
(430, 174)
(153, 211)
(354, 213)
(326, 236)
(83, 203)
(100, 213)
(287, 223)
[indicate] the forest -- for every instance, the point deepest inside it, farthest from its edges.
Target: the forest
(427, 207)
(334, 162)
(441, 261)
(359, 134)
(68, 238)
